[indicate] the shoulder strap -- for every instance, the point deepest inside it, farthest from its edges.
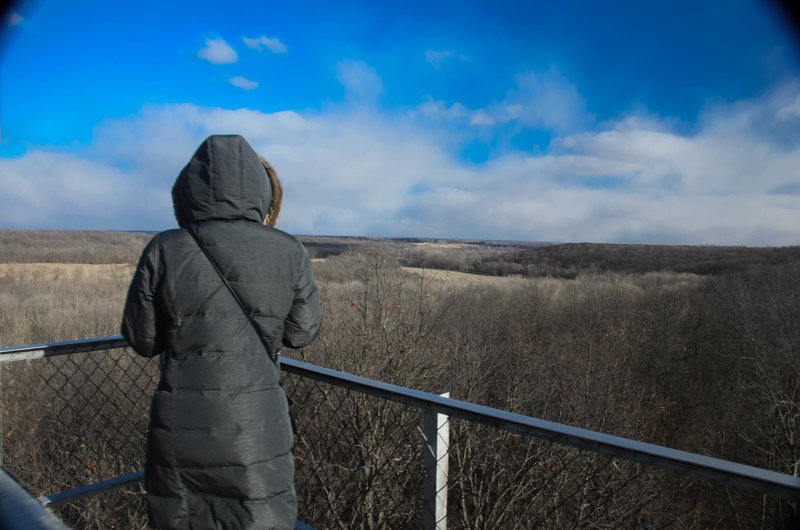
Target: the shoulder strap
(191, 230)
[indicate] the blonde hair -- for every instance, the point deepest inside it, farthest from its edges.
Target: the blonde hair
(274, 210)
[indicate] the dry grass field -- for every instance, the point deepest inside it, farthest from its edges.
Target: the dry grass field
(70, 272)
(47, 302)
(464, 278)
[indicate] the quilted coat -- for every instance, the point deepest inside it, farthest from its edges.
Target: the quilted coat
(219, 445)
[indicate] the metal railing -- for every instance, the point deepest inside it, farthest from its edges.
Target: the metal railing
(19, 509)
(75, 416)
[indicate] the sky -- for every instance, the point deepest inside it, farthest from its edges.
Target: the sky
(610, 122)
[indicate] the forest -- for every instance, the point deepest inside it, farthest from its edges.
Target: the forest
(694, 348)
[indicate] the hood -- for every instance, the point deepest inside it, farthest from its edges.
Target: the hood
(224, 180)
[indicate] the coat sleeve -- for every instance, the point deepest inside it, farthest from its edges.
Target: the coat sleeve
(303, 323)
(141, 319)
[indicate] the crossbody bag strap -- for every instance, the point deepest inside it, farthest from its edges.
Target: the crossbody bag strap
(191, 230)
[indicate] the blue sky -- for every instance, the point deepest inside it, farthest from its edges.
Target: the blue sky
(625, 121)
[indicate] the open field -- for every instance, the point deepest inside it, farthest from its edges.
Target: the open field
(462, 278)
(70, 246)
(65, 271)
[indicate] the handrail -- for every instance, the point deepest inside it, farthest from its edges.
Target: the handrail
(37, 351)
(75, 494)
(705, 467)
(19, 509)
(700, 466)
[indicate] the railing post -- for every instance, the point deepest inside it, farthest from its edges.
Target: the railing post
(435, 459)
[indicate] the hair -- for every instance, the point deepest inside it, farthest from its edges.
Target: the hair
(274, 210)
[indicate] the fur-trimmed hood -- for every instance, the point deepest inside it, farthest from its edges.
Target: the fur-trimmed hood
(226, 180)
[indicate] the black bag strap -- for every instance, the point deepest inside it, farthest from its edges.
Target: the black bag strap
(192, 231)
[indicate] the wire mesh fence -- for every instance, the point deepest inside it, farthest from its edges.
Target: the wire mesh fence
(77, 419)
(363, 456)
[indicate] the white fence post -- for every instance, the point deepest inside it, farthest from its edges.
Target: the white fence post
(436, 430)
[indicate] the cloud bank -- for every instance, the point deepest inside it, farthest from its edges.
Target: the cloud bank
(355, 170)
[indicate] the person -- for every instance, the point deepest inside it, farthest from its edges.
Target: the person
(216, 299)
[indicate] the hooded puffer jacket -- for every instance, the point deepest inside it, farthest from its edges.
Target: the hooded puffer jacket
(219, 446)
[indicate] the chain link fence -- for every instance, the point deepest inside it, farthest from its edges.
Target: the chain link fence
(77, 419)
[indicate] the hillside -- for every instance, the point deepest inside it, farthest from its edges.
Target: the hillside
(571, 259)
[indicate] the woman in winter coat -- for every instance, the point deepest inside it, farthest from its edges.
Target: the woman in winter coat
(219, 446)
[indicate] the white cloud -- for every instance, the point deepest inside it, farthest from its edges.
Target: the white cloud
(724, 157)
(481, 117)
(514, 111)
(217, 51)
(244, 84)
(359, 172)
(58, 190)
(545, 101)
(362, 84)
(440, 111)
(272, 44)
(336, 162)
(437, 58)
(791, 110)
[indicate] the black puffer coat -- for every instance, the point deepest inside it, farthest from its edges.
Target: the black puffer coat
(219, 447)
